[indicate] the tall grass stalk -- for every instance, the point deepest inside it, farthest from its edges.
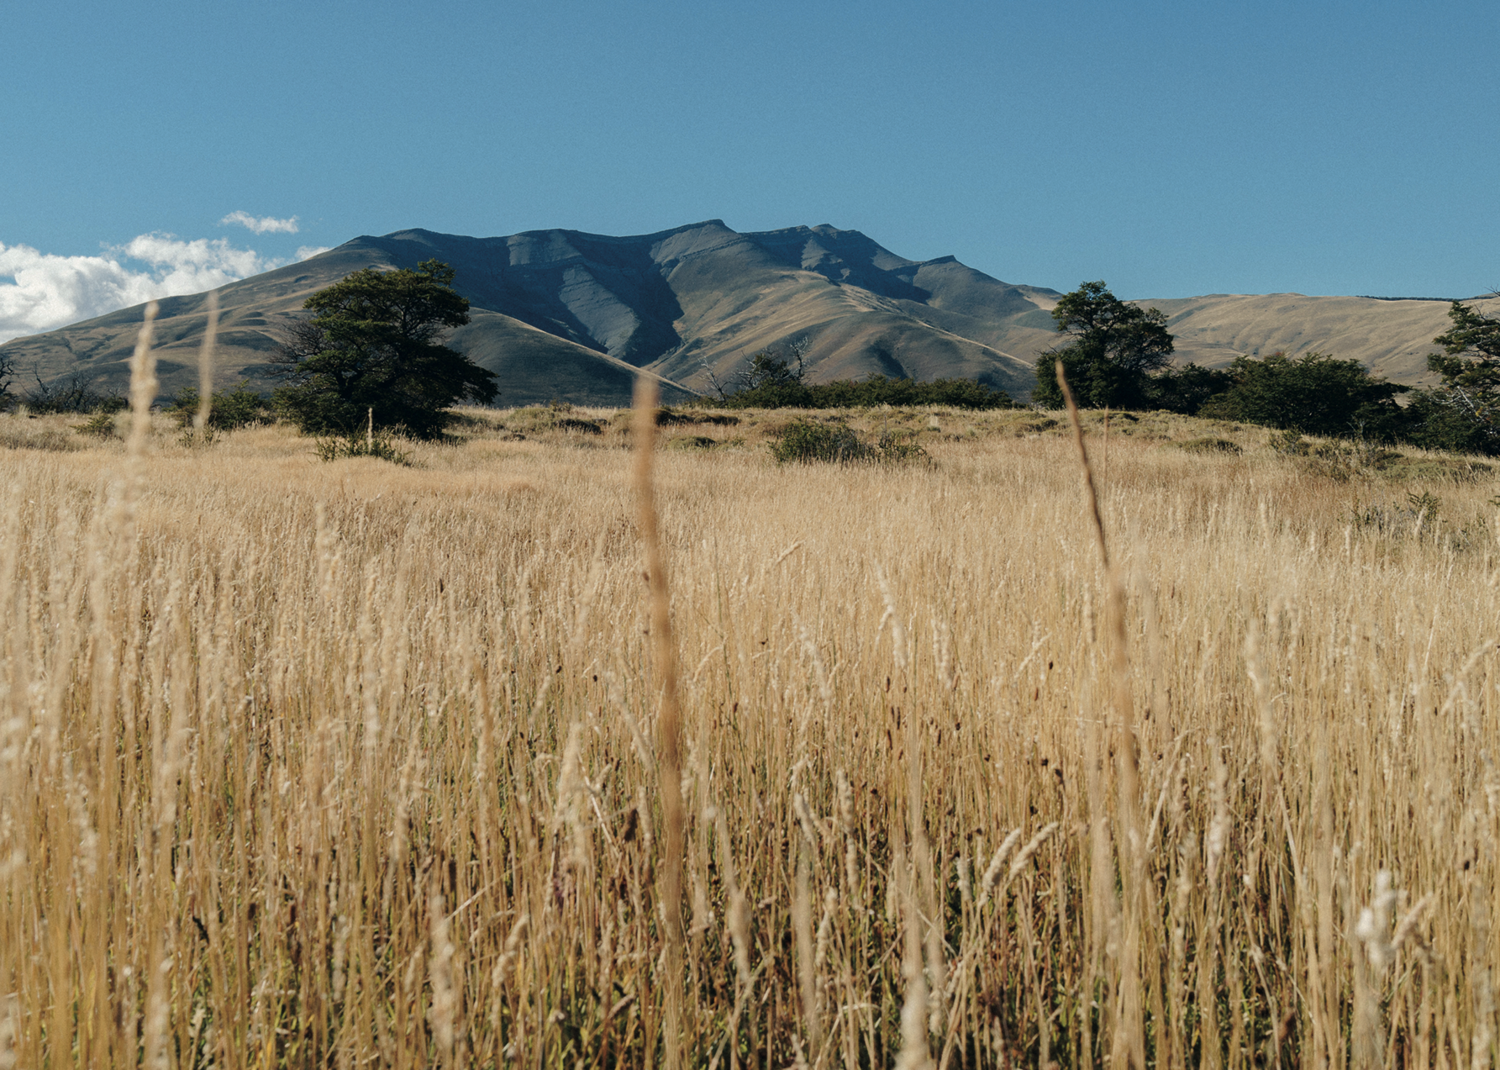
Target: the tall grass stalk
(1124, 919)
(206, 369)
(668, 725)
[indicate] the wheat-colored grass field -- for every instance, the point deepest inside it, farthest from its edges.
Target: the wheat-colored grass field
(350, 764)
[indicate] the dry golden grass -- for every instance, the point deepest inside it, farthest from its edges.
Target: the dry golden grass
(348, 764)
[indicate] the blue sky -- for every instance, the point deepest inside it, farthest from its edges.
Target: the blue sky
(1171, 148)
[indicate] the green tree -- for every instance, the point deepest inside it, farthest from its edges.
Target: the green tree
(1316, 393)
(1187, 388)
(770, 381)
(1114, 349)
(769, 369)
(1463, 412)
(373, 345)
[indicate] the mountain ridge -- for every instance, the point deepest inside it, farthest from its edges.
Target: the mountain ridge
(574, 316)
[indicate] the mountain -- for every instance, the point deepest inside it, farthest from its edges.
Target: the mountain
(567, 315)
(573, 316)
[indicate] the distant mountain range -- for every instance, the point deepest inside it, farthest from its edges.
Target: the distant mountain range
(573, 316)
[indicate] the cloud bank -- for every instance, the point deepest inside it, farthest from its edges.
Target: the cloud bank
(263, 225)
(52, 291)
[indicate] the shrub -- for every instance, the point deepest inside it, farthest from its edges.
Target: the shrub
(100, 425)
(807, 442)
(377, 446)
(772, 382)
(1444, 419)
(804, 442)
(1290, 441)
(1208, 444)
(228, 409)
(898, 447)
(572, 423)
(672, 418)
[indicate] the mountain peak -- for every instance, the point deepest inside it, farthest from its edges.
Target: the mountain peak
(573, 315)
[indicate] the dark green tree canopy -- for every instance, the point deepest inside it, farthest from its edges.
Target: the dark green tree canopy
(1316, 393)
(1115, 348)
(1187, 388)
(1464, 411)
(1472, 332)
(374, 345)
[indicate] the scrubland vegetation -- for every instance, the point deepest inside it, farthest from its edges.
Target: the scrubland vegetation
(351, 764)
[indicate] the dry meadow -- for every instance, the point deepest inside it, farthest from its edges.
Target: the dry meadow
(352, 764)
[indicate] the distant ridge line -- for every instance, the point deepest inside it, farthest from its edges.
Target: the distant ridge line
(567, 314)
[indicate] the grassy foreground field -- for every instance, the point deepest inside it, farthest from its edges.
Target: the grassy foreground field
(349, 764)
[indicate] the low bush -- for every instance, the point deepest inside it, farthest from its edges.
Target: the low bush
(898, 447)
(809, 442)
(673, 418)
(587, 427)
(1290, 442)
(804, 442)
(1208, 444)
(228, 409)
(100, 425)
(380, 447)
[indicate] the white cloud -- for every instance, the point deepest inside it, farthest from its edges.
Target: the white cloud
(202, 264)
(52, 291)
(263, 225)
(307, 252)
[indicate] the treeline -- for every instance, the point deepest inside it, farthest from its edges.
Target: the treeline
(1318, 394)
(1119, 356)
(1314, 393)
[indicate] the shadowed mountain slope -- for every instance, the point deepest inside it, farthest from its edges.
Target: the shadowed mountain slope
(567, 315)
(572, 316)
